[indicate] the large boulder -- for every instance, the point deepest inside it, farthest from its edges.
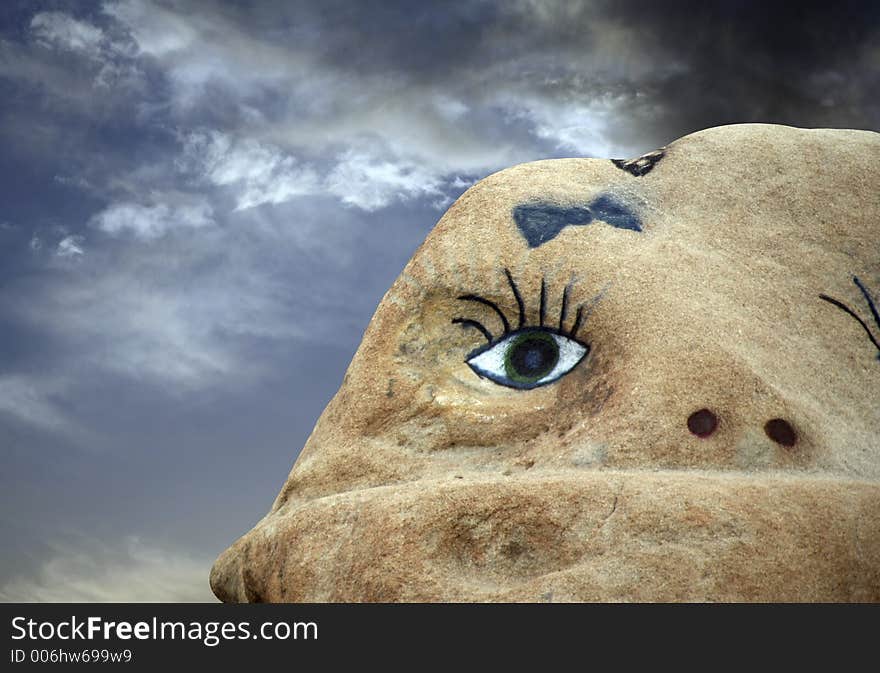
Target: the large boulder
(651, 380)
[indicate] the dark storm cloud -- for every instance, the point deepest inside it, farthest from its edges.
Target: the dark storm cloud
(427, 39)
(816, 64)
(204, 201)
(681, 66)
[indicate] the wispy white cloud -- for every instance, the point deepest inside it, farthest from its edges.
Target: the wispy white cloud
(112, 59)
(127, 318)
(199, 50)
(259, 173)
(28, 398)
(143, 330)
(69, 246)
(132, 571)
(174, 312)
(579, 125)
(58, 30)
(372, 182)
(152, 221)
(157, 30)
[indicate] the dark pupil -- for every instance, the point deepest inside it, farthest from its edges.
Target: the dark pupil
(533, 357)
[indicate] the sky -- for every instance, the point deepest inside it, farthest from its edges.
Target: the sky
(203, 202)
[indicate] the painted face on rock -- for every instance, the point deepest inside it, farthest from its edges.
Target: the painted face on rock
(609, 380)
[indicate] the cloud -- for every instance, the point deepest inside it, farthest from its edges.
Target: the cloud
(144, 330)
(281, 110)
(29, 398)
(69, 246)
(259, 173)
(576, 127)
(110, 57)
(141, 318)
(157, 30)
(181, 311)
(256, 173)
(149, 222)
(61, 31)
(467, 87)
(372, 182)
(200, 51)
(132, 571)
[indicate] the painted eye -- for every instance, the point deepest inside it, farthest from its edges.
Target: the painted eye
(528, 358)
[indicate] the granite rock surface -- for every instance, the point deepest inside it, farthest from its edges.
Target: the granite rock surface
(653, 379)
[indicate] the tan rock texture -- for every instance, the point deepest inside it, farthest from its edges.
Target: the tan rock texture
(697, 272)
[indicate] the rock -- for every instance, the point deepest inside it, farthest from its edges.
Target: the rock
(694, 419)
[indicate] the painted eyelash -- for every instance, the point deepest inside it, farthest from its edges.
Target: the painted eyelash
(542, 310)
(873, 308)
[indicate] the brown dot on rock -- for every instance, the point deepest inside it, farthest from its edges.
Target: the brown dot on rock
(702, 423)
(781, 432)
